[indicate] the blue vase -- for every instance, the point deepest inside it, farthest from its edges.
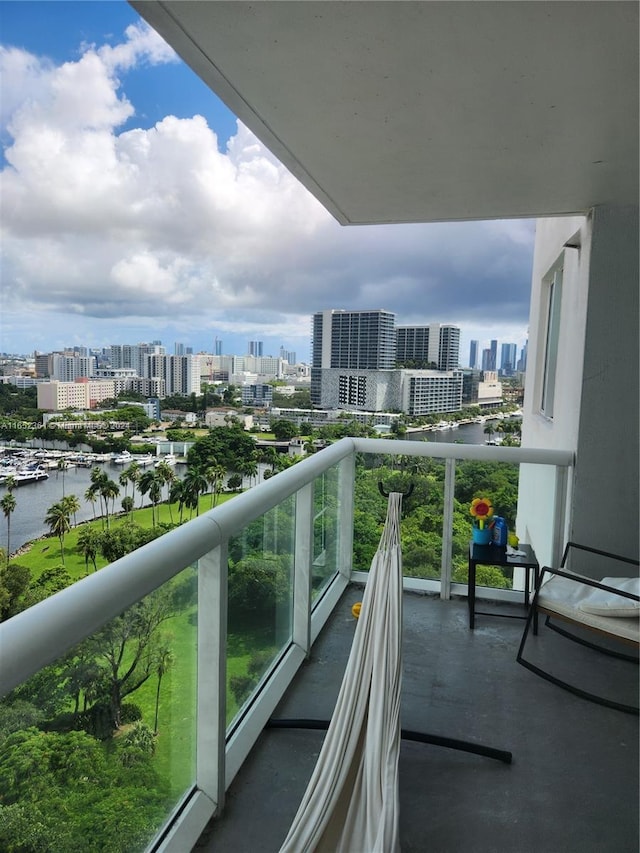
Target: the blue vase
(481, 537)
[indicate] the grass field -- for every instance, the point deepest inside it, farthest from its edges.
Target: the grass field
(176, 742)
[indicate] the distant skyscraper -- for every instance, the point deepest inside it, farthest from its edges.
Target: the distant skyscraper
(486, 359)
(256, 348)
(494, 356)
(473, 355)
(178, 349)
(218, 347)
(508, 359)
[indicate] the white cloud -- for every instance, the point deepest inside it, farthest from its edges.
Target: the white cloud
(155, 223)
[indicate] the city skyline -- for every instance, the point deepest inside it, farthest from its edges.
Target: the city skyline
(157, 215)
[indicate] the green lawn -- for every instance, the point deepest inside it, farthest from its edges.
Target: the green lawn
(45, 553)
(176, 747)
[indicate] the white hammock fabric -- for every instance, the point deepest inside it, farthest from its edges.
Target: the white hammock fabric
(351, 804)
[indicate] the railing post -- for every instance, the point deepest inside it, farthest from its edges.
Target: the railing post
(302, 567)
(212, 674)
(559, 514)
(447, 528)
(346, 493)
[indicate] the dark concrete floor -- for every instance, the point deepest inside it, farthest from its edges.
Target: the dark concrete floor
(573, 783)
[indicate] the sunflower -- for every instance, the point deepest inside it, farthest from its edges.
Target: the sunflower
(482, 509)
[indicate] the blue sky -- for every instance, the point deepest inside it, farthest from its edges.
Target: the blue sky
(135, 207)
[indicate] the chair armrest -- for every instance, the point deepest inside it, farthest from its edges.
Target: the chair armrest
(590, 550)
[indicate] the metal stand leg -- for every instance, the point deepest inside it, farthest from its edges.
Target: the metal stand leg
(419, 737)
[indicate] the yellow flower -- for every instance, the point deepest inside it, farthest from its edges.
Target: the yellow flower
(482, 509)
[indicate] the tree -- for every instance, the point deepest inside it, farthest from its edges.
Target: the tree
(214, 475)
(164, 661)
(91, 495)
(8, 504)
(193, 485)
(127, 649)
(73, 505)
(89, 545)
(58, 521)
(109, 491)
(284, 430)
(127, 504)
(235, 482)
(176, 493)
(144, 484)
(62, 466)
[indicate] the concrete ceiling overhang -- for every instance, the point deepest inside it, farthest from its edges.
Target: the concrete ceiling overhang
(428, 111)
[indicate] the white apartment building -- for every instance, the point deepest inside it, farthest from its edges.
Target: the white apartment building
(83, 394)
(68, 368)
(180, 373)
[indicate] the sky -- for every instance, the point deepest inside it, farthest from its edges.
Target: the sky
(136, 207)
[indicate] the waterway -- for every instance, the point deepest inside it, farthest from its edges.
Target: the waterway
(34, 499)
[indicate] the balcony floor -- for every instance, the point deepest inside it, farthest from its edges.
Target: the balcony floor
(572, 786)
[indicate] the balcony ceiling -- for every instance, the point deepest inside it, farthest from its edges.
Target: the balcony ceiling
(428, 111)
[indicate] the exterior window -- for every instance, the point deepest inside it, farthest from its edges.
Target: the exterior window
(554, 298)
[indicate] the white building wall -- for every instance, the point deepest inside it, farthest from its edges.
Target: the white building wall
(596, 400)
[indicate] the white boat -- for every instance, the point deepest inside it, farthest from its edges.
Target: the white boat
(31, 475)
(169, 459)
(124, 458)
(143, 461)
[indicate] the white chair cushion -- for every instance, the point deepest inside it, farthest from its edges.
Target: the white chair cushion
(562, 596)
(603, 603)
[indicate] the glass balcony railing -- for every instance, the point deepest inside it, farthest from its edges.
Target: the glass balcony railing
(132, 697)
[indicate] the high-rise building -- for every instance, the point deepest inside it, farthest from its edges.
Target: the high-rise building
(436, 346)
(256, 348)
(178, 349)
(473, 355)
(68, 368)
(494, 356)
(218, 347)
(361, 340)
(448, 347)
(181, 373)
(357, 340)
(508, 359)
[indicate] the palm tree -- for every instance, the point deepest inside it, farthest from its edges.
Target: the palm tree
(194, 484)
(57, 519)
(144, 485)
(124, 481)
(489, 430)
(213, 474)
(62, 466)
(98, 479)
(8, 504)
(10, 483)
(155, 495)
(109, 490)
(91, 496)
(73, 505)
(165, 659)
(133, 475)
(176, 493)
(165, 475)
(88, 544)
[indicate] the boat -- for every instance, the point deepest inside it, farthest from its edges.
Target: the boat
(32, 475)
(124, 458)
(169, 459)
(143, 461)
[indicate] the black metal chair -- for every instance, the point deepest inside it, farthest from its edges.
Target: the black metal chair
(601, 615)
